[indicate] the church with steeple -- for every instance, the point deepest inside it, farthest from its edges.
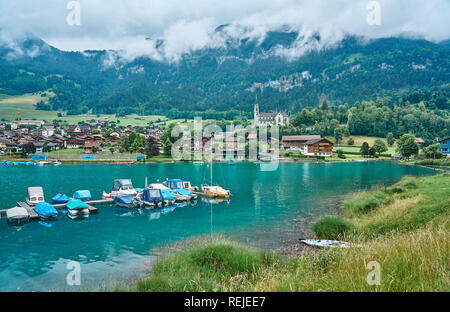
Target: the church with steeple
(266, 119)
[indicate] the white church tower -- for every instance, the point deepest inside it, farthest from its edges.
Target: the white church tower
(256, 115)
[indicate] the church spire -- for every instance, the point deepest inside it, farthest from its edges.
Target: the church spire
(256, 112)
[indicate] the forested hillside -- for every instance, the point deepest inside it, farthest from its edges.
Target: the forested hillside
(407, 81)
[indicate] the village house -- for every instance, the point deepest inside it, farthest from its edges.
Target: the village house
(318, 147)
(47, 130)
(89, 146)
(296, 142)
(444, 146)
(313, 145)
(37, 123)
(420, 141)
(79, 130)
(39, 147)
(74, 142)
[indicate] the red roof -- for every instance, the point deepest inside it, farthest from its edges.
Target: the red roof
(420, 140)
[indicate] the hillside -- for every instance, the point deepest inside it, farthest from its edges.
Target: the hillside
(224, 81)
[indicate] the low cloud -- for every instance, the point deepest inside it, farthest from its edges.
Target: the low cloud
(165, 30)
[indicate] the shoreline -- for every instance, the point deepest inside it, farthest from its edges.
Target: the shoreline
(129, 162)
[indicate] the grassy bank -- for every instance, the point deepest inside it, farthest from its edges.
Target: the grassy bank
(405, 228)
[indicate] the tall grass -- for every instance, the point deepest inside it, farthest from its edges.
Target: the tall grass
(208, 264)
(331, 227)
(365, 202)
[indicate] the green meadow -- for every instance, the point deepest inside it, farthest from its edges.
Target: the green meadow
(11, 105)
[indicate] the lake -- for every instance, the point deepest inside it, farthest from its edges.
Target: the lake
(266, 210)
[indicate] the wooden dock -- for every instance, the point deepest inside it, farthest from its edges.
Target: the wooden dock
(31, 213)
(34, 216)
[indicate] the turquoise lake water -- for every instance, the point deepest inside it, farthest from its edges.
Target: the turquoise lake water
(267, 210)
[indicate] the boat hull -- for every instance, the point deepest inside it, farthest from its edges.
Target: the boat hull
(78, 212)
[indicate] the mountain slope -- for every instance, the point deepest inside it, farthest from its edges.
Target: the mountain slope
(227, 79)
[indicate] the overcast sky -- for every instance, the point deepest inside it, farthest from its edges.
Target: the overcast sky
(188, 25)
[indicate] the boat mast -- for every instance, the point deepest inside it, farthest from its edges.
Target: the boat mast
(211, 163)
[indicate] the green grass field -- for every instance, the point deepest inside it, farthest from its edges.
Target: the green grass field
(10, 105)
(356, 149)
(359, 140)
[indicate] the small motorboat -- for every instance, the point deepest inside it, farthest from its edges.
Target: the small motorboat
(187, 185)
(60, 199)
(152, 197)
(177, 186)
(216, 191)
(107, 196)
(45, 210)
(322, 243)
(77, 207)
(231, 162)
(17, 216)
(123, 187)
(167, 194)
(127, 201)
(35, 195)
(82, 195)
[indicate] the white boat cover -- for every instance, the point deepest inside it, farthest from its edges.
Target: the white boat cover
(35, 191)
(17, 213)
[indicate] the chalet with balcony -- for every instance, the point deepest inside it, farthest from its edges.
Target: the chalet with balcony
(318, 147)
(296, 142)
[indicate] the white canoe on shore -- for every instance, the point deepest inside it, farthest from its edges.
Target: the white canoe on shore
(321, 243)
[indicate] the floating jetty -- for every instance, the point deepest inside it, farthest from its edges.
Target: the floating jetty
(34, 216)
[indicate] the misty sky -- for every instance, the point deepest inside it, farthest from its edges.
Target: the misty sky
(187, 25)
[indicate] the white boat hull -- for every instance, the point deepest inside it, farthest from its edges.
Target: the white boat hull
(78, 212)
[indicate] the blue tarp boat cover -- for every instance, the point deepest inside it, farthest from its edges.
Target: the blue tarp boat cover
(168, 194)
(152, 196)
(76, 205)
(184, 192)
(45, 209)
(123, 199)
(83, 195)
(60, 199)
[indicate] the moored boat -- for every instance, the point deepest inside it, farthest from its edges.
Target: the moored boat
(60, 199)
(215, 190)
(151, 197)
(77, 207)
(82, 195)
(126, 201)
(35, 195)
(167, 194)
(177, 186)
(17, 216)
(189, 187)
(107, 196)
(45, 210)
(121, 187)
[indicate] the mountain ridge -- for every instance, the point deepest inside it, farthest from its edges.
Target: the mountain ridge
(225, 79)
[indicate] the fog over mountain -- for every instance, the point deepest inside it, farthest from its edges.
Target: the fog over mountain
(165, 30)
